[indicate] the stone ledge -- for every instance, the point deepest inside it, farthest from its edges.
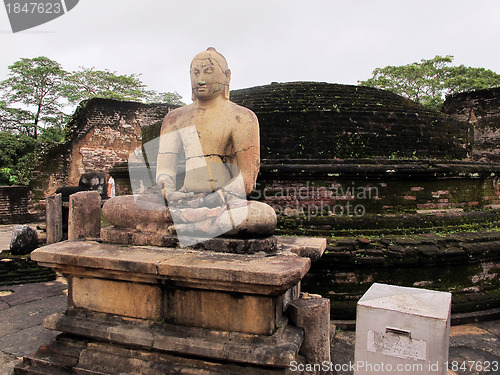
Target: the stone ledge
(277, 350)
(258, 273)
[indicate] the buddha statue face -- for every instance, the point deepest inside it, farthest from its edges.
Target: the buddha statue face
(209, 76)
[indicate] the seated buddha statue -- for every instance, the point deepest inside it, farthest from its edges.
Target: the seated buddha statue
(220, 142)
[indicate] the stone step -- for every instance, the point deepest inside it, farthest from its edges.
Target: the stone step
(277, 350)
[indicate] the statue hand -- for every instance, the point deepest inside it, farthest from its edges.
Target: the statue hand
(176, 196)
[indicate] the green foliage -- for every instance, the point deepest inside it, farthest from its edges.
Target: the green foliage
(15, 119)
(36, 84)
(91, 83)
(164, 97)
(16, 158)
(428, 82)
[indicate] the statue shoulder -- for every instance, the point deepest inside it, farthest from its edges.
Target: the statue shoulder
(243, 113)
(175, 116)
(179, 111)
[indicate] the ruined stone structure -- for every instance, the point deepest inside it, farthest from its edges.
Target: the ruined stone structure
(481, 109)
(102, 133)
(328, 148)
(161, 307)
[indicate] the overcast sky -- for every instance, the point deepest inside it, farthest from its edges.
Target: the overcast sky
(263, 41)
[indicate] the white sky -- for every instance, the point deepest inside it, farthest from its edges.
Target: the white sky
(263, 41)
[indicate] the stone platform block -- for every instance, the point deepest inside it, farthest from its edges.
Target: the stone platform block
(150, 310)
(230, 292)
(311, 312)
(53, 218)
(311, 247)
(254, 274)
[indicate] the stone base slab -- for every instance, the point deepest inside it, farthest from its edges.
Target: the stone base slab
(277, 350)
(153, 310)
(311, 247)
(244, 273)
(250, 313)
(67, 355)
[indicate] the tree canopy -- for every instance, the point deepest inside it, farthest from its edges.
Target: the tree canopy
(429, 81)
(36, 85)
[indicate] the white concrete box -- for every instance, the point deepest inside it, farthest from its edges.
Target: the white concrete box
(402, 330)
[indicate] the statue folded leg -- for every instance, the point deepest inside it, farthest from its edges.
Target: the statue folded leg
(144, 213)
(254, 220)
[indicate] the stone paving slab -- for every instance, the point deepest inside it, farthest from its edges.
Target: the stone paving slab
(29, 314)
(22, 311)
(21, 332)
(32, 292)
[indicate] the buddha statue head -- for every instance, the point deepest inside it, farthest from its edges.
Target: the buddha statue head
(210, 76)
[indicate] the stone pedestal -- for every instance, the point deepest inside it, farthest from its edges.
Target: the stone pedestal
(402, 330)
(150, 310)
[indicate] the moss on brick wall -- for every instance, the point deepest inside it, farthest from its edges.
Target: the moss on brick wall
(304, 120)
(481, 109)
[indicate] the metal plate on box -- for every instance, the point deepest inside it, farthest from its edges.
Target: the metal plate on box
(396, 345)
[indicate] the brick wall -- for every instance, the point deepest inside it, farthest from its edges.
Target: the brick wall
(14, 204)
(101, 134)
(481, 109)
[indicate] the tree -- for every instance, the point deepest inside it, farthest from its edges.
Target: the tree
(15, 120)
(35, 84)
(428, 82)
(91, 83)
(164, 97)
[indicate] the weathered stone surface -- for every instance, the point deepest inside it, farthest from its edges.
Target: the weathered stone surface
(329, 121)
(272, 350)
(258, 273)
(84, 219)
(480, 109)
(134, 300)
(231, 312)
(190, 307)
(312, 313)
(222, 244)
(310, 247)
(53, 218)
(24, 240)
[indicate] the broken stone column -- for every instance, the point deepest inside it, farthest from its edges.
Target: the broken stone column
(53, 218)
(84, 219)
(311, 312)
